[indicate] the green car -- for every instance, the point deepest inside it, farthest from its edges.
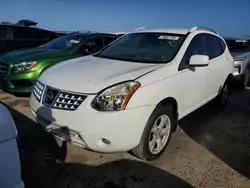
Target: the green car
(20, 69)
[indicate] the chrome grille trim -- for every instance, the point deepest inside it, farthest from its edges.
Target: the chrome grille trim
(3, 68)
(57, 99)
(38, 90)
(68, 101)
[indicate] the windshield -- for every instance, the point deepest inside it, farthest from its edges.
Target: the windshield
(238, 45)
(65, 42)
(144, 47)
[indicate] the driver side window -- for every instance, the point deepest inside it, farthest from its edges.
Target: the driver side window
(196, 47)
(91, 46)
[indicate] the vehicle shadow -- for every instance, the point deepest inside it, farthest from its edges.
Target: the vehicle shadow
(43, 164)
(225, 133)
(23, 95)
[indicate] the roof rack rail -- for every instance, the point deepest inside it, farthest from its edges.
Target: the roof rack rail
(202, 28)
(86, 31)
(119, 33)
(141, 28)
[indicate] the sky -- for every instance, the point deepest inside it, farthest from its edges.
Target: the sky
(228, 18)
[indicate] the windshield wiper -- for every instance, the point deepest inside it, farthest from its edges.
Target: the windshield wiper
(131, 60)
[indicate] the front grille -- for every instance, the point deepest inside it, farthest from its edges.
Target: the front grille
(22, 83)
(68, 101)
(38, 90)
(4, 68)
(62, 100)
(3, 71)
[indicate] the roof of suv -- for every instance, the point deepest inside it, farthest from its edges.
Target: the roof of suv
(182, 31)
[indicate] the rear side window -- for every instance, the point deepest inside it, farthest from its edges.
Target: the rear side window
(108, 40)
(3, 33)
(39, 35)
(238, 45)
(214, 48)
(22, 33)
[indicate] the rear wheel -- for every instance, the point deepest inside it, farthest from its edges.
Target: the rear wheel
(245, 79)
(156, 135)
(224, 94)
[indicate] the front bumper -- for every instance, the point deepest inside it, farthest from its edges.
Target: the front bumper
(92, 129)
(19, 83)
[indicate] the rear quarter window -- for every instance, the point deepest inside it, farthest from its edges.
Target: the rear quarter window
(223, 45)
(3, 33)
(50, 34)
(40, 35)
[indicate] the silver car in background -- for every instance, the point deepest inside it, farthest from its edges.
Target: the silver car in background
(240, 50)
(10, 164)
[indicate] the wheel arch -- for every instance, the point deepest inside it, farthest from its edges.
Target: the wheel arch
(229, 79)
(172, 102)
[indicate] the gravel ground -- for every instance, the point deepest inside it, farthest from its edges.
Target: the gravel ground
(211, 148)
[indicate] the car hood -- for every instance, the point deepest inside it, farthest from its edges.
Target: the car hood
(92, 74)
(240, 54)
(32, 54)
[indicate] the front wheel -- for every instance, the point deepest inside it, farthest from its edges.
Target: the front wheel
(156, 135)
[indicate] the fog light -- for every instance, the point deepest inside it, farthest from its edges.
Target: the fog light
(105, 141)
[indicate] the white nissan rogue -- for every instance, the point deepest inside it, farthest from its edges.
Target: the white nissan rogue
(131, 94)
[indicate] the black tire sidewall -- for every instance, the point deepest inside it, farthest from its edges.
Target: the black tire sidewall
(246, 76)
(160, 110)
(224, 104)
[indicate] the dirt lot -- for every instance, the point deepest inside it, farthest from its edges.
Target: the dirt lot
(211, 148)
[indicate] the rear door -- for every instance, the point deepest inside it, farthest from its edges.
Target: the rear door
(218, 63)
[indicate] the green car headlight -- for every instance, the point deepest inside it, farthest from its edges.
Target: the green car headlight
(21, 67)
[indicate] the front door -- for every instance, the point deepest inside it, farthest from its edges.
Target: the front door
(193, 79)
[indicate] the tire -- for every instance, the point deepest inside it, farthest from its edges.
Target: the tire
(223, 97)
(161, 114)
(245, 80)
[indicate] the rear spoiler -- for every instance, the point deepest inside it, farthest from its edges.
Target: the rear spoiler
(22, 23)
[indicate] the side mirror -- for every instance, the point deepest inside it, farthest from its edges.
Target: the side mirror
(199, 61)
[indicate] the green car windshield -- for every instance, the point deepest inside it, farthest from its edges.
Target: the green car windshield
(65, 42)
(144, 47)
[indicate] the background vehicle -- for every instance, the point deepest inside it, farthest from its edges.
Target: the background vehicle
(240, 50)
(20, 69)
(22, 35)
(10, 171)
(131, 94)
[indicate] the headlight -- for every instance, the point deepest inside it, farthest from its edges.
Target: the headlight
(20, 67)
(115, 97)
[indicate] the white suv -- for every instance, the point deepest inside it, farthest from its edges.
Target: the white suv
(131, 94)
